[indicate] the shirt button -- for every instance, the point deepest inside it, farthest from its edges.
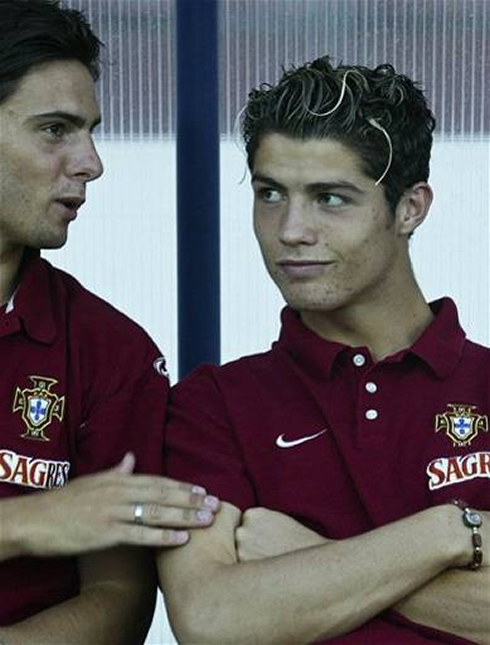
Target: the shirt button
(371, 415)
(371, 387)
(359, 360)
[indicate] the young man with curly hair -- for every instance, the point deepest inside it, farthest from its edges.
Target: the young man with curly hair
(339, 451)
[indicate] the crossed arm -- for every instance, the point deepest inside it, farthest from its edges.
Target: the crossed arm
(218, 592)
(456, 601)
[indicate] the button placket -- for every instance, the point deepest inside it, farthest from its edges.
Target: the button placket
(359, 360)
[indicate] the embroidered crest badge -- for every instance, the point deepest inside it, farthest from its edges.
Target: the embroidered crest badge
(38, 406)
(461, 423)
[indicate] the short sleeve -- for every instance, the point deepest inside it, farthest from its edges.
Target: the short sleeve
(200, 446)
(129, 416)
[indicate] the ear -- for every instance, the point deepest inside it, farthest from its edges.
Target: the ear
(413, 207)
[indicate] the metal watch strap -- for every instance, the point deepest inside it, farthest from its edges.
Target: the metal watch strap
(473, 520)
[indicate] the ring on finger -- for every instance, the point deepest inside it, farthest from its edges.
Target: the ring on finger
(138, 513)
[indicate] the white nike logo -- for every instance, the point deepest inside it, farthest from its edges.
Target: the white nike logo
(284, 443)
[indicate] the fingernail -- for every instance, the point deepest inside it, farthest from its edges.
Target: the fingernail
(211, 502)
(199, 489)
(180, 537)
(204, 517)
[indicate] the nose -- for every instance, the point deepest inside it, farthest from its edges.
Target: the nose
(297, 226)
(85, 162)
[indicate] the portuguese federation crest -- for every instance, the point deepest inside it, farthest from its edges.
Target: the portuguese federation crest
(38, 407)
(461, 423)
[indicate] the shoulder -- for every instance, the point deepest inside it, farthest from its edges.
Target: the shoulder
(90, 315)
(101, 338)
(477, 356)
(234, 372)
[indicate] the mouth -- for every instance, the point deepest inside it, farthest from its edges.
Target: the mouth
(303, 268)
(70, 205)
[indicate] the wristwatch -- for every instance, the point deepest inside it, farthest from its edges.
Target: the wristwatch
(473, 520)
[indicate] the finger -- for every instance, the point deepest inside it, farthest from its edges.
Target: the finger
(140, 535)
(126, 466)
(156, 491)
(167, 516)
(143, 480)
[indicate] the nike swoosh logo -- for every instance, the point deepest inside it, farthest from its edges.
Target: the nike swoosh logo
(284, 443)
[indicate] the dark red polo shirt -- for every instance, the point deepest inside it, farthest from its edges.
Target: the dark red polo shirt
(319, 431)
(79, 389)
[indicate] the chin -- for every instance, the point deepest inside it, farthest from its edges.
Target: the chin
(54, 242)
(312, 302)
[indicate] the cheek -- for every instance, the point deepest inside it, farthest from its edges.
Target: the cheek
(264, 232)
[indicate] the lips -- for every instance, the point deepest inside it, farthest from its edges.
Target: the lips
(303, 268)
(69, 205)
(71, 202)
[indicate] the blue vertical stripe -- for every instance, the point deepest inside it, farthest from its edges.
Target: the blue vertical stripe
(198, 208)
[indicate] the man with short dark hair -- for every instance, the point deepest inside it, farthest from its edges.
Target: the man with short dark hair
(364, 420)
(84, 389)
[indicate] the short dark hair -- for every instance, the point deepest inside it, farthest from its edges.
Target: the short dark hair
(39, 31)
(368, 110)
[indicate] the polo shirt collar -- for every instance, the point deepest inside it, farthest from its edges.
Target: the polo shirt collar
(440, 345)
(313, 353)
(31, 303)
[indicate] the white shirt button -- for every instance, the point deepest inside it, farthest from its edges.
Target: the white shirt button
(371, 387)
(371, 415)
(359, 360)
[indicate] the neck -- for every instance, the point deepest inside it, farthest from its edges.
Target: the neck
(10, 261)
(384, 327)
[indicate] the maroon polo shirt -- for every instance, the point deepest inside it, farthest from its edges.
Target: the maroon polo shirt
(319, 431)
(81, 385)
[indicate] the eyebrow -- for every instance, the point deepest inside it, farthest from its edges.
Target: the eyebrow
(315, 187)
(74, 119)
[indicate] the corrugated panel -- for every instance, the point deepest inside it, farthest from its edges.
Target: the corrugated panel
(139, 65)
(443, 44)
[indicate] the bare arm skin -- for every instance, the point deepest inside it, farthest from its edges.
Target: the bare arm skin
(456, 601)
(96, 512)
(115, 605)
(334, 588)
(264, 534)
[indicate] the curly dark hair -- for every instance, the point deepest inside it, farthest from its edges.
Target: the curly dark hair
(368, 110)
(39, 31)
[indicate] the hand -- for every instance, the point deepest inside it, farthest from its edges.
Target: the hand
(264, 534)
(95, 512)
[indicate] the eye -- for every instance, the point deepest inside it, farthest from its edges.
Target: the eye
(331, 200)
(269, 195)
(55, 130)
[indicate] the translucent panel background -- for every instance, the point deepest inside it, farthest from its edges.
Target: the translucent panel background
(123, 245)
(441, 43)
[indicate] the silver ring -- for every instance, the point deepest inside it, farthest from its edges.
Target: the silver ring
(138, 514)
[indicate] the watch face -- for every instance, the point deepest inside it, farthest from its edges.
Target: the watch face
(472, 519)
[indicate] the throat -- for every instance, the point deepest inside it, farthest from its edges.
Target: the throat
(384, 332)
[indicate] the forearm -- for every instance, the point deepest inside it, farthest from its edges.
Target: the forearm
(115, 604)
(9, 545)
(101, 614)
(332, 589)
(456, 601)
